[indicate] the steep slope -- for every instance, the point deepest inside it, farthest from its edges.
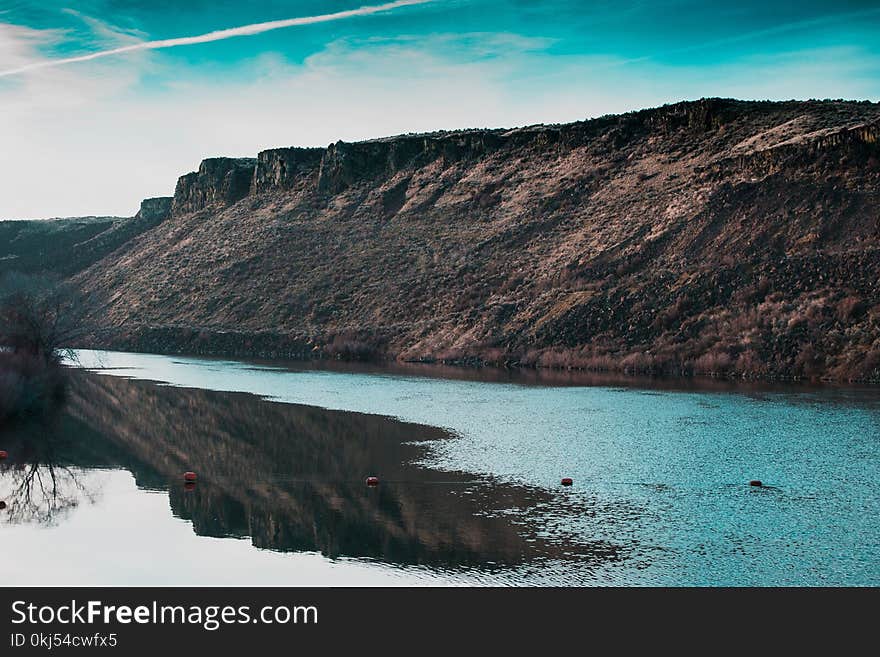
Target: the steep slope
(67, 246)
(713, 236)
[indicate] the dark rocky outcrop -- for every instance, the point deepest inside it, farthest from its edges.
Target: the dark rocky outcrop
(345, 164)
(219, 181)
(155, 209)
(284, 168)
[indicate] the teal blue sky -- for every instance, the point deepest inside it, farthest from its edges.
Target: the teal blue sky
(141, 117)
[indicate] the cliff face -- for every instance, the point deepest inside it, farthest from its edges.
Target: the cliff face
(713, 236)
(344, 165)
(219, 181)
(155, 209)
(285, 168)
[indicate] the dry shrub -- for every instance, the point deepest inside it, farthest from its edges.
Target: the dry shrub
(850, 308)
(583, 358)
(600, 362)
(798, 320)
(29, 385)
(745, 295)
(862, 367)
(450, 355)
(817, 310)
(713, 362)
(557, 358)
(494, 356)
(750, 364)
(530, 358)
(511, 284)
(807, 363)
(638, 362)
(349, 347)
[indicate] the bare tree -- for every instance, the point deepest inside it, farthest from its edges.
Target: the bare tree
(39, 316)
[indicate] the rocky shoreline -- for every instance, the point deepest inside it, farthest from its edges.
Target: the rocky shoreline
(267, 346)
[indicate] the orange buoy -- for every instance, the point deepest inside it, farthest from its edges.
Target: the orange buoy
(189, 476)
(372, 481)
(757, 483)
(566, 481)
(3, 454)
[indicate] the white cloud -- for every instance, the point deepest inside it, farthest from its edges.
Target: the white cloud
(134, 45)
(18, 44)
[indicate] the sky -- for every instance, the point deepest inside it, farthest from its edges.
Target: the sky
(106, 102)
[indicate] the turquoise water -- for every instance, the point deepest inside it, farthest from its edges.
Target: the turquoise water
(660, 494)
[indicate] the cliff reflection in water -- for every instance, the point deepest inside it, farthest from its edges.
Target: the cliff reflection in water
(289, 477)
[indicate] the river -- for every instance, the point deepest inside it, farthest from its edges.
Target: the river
(469, 464)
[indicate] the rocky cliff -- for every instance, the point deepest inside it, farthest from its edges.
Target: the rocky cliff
(155, 209)
(715, 236)
(285, 168)
(219, 181)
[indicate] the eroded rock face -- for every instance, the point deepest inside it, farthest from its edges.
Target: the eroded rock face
(284, 168)
(223, 181)
(345, 164)
(219, 181)
(155, 209)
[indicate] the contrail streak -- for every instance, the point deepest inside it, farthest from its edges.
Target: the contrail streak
(218, 35)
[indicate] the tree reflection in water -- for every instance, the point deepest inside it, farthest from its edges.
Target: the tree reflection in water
(35, 486)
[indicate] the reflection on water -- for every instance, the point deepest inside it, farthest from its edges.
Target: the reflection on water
(661, 475)
(41, 485)
(289, 478)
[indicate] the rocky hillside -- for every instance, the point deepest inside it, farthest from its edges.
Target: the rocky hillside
(719, 236)
(66, 246)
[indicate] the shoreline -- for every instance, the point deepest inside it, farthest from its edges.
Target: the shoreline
(514, 374)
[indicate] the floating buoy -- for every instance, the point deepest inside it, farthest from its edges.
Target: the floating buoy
(566, 481)
(189, 486)
(3, 455)
(757, 483)
(189, 476)
(2, 505)
(372, 481)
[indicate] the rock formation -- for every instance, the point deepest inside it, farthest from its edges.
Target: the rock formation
(219, 180)
(155, 209)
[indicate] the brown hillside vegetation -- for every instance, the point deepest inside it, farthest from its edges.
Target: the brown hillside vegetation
(718, 236)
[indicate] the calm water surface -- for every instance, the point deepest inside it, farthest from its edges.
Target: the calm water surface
(470, 466)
